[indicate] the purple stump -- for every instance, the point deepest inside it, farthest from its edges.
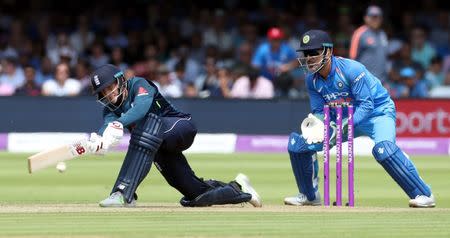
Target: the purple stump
(326, 156)
(339, 155)
(351, 185)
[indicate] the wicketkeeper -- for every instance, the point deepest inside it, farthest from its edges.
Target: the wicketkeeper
(333, 79)
(159, 134)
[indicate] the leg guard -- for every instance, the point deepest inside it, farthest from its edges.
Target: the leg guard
(221, 194)
(144, 144)
(304, 165)
(400, 168)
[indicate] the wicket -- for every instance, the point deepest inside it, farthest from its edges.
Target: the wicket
(350, 157)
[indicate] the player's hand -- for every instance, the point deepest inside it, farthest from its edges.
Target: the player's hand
(112, 134)
(95, 145)
(312, 129)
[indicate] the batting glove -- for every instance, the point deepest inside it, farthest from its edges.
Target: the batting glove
(95, 145)
(113, 134)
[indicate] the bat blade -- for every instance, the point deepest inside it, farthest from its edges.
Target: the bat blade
(52, 156)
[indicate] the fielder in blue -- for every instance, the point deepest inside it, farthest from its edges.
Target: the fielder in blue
(333, 79)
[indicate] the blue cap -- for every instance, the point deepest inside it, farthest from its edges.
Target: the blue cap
(407, 72)
(315, 39)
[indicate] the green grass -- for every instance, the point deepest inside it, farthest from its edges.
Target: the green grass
(382, 206)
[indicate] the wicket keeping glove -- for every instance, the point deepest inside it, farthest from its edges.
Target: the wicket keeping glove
(312, 129)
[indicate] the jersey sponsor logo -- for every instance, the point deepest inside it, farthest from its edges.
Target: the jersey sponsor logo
(142, 91)
(335, 95)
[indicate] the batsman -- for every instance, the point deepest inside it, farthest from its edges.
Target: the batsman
(159, 134)
(333, 79)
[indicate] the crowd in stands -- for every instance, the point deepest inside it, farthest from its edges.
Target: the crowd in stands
(220, 51)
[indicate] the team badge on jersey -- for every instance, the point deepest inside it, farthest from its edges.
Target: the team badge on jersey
(340, 84)
(142, 91)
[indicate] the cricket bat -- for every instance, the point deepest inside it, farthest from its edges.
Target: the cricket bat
(52, 156)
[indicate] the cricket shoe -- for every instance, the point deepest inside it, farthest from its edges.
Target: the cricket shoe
(422, 201)
(246, 187)
(302, 200)
(117, 200)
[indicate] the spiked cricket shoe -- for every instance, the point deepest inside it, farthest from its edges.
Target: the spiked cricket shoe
(423, 201)
(117, 200)
(246, 187)
(302, 200)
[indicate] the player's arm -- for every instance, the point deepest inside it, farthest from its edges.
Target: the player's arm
(362, 95)
(112, 129)
(316, 101)
(108, 117)
(356, 43)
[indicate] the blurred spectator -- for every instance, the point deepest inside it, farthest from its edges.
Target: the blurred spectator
(46, 71)
(225, 80)
(82, 38)
(442, 91)
(67, 56)
(61, 49)
(253, 86)
(217, 35)
(435, 75)
(411, 86)
(62, 85)
(244, 55)
(146, 34)
(166, 86)
(11, 73)
(197, 52)
(190, 91)
(274, 58)
(117, 58)
(82, 71)
(405, 60)
(30, 88)
(440, 35)
(344, 30)
(369, 43)
(115, 37)
(208, 84)
(422, 51)
(191, 67)
(98, 56)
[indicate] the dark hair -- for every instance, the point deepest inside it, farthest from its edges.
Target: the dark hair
(253, 74)
(436, 60)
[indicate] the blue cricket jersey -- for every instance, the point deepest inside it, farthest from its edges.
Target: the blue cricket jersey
(143, 98)
(349, 81)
